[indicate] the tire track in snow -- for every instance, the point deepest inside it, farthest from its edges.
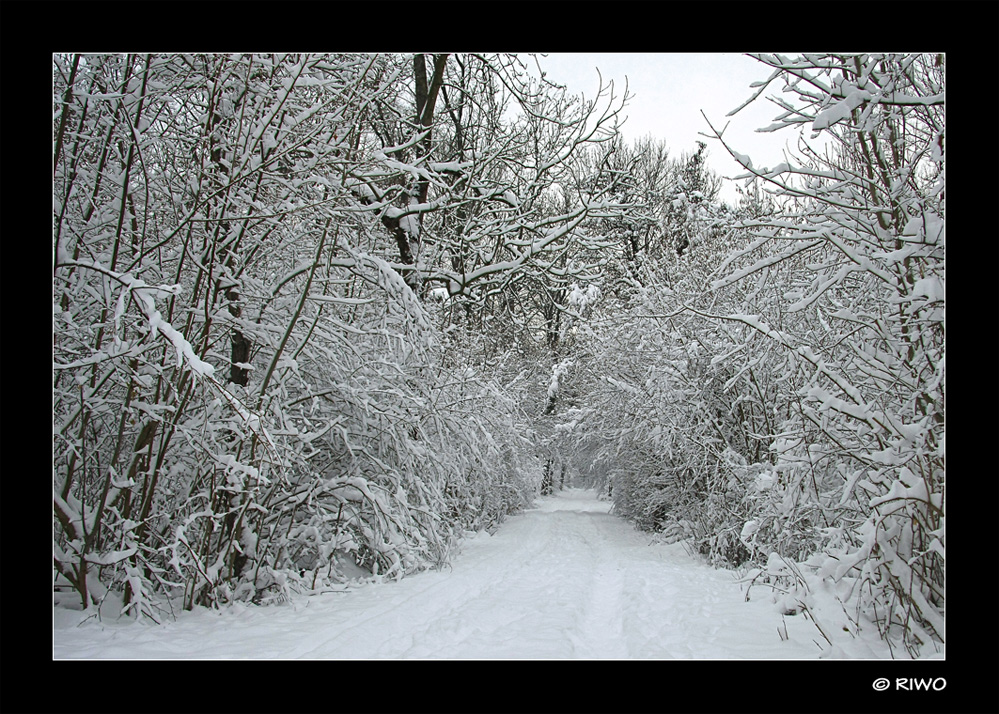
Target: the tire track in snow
(602, 632)
(439, 614)
(519, 611)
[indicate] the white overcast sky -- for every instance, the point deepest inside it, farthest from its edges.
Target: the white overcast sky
(670, 90)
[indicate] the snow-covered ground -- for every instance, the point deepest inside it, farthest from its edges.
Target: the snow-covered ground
(566, 580)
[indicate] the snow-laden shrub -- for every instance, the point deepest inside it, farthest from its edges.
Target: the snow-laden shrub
(778, 391)
(249, 399)
(365, 456)
(858, 321)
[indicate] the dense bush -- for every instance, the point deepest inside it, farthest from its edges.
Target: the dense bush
(254, 389)
(774, 394)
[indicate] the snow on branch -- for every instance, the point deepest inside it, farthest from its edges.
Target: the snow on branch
(144, 295)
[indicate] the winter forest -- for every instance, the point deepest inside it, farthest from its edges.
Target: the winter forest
(317, 316)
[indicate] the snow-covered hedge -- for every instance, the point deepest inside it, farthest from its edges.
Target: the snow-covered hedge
(783, 396)
(248, 397)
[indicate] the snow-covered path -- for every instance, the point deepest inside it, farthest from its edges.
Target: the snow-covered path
(564, 580)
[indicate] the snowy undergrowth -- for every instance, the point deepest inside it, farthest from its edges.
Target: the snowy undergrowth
(563, 580)
(774, 392)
